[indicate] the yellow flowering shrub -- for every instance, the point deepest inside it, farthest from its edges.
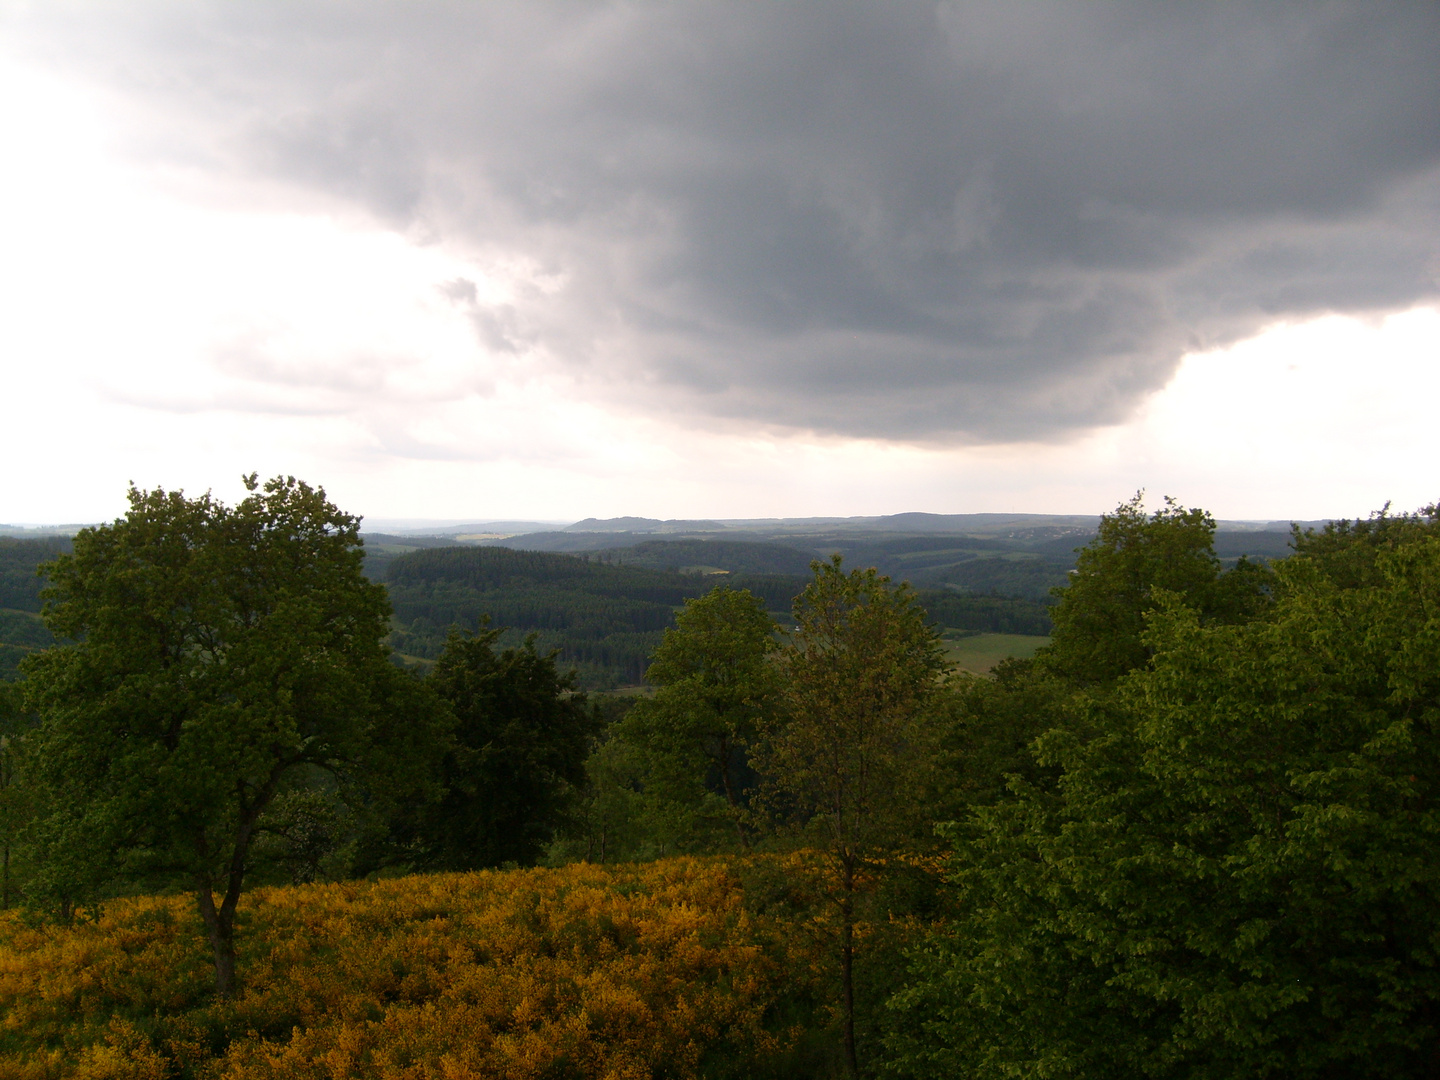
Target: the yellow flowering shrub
(629, 972)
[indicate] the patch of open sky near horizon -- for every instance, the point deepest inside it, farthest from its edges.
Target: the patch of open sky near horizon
(161, 329)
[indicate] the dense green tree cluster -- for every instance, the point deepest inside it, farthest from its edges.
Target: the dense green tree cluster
(1219, 859)
(515, 756)
(822, 734)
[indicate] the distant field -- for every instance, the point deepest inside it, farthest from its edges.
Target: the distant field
(983, 651)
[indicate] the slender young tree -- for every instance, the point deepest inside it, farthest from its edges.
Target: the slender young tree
(858, 675)
(219, 654)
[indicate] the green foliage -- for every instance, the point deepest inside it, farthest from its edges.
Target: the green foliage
(16, 794)
(520, 741)
(220, 654)
(851, 744)
(986, 727)
(612, 820)
(716, 689)
(1099, 617)
(1229, 870)
(21, 633)
(1352, 554)
(860, 670)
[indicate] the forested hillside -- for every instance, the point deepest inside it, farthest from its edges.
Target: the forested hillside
(605, 619)
(605, 612)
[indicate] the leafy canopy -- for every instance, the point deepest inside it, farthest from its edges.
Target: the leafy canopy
(220, 655)
(1230, 871)
(715, 689)
(1099, 617)
(853, 739)
(520, 740)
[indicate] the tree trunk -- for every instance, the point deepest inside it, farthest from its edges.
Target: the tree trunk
(220, 921)
(5, 887)
(220, 928)
(847, 966)
(730, 798)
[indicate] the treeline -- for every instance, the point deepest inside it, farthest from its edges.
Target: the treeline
(738, 557)
(1199, 839)
(985, 614)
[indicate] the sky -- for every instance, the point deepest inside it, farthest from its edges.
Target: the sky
(699, 260)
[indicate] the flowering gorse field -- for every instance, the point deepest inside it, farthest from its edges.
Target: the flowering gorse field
(654, 970)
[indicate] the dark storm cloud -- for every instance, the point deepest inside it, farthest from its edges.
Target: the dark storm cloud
(930, 221)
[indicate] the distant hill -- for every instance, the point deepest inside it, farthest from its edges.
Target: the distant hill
(701, 556)
(984, 524)
(606, 616)
(381, 549)
(642, 525)
(1230, 544)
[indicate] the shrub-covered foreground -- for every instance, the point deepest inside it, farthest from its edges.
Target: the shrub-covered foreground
(655, 970)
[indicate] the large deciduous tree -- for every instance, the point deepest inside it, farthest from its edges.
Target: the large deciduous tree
(220, 654)
(850, 747)
(1234, 872)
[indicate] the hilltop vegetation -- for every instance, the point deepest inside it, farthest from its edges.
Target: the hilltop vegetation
(1192, 836)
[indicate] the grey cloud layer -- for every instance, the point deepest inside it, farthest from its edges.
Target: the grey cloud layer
(938, 222)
